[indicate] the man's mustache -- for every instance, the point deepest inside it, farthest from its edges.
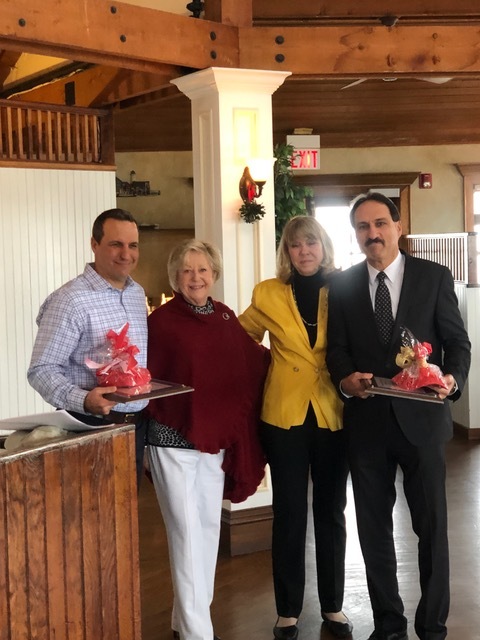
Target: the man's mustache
(373, 240)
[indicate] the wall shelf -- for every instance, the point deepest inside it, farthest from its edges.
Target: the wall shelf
(157, 227)
(134, 189)
(138, 195)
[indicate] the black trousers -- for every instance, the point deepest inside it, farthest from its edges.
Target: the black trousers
(293, 455)
(374, 458)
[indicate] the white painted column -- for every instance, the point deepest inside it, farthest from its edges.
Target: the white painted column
(231, 123)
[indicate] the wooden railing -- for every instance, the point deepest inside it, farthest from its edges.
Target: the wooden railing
(457, 251)
(53, 134)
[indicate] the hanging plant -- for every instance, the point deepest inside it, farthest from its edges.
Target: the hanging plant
(252, 211)
(290, 198)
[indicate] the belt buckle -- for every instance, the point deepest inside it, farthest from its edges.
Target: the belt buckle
(130, 418)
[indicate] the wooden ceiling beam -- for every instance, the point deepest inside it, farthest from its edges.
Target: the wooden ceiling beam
(165, 94)
(8, 60)
(116, 34)
(329, 10)
(362, 51)
(137, 38)
(101, 86)
(231, 12)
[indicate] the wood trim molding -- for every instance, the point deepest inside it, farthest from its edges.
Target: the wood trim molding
(358, 179)
(344, 187)
(246, 530)
(465, 432)
(56, 165)
(471, 177)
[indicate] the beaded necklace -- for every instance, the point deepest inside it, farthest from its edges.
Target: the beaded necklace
(309, 324)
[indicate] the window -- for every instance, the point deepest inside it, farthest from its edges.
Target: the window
(476, 224)
(471, 185)
(476, 208)
(340, 189)
(335, 219)
(336, 222)
(471, 190)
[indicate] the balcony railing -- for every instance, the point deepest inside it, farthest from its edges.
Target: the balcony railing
(457, 251)
(52, 134)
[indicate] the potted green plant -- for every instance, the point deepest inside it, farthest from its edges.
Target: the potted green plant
(290, 198)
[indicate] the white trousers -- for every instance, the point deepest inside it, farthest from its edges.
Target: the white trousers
(189, 488)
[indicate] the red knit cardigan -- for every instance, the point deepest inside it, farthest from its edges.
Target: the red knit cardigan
(227, 369)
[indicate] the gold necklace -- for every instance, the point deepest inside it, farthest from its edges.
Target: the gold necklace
(309, 324)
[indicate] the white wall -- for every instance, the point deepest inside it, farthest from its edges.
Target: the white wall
(473, 328)
(466, 411)
(45, 222)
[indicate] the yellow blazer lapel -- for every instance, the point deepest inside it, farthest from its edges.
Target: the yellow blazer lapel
(320, 343)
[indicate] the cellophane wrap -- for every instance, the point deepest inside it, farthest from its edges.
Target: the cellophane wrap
(115, 363)
(416, 370)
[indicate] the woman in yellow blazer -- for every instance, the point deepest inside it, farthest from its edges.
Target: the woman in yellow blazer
(301, 428)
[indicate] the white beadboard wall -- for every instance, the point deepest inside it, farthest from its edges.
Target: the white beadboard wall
(473, 328)
(466, 411)
(46, 219)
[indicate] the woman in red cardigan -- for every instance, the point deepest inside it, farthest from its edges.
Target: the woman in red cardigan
(202, 446)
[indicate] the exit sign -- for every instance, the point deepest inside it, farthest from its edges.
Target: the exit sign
(306, 159)
(306, 155)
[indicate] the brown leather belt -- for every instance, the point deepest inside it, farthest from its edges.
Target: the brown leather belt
(117, 417)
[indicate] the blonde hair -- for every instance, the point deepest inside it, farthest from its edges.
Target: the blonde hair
(302, 228)
(176, 259)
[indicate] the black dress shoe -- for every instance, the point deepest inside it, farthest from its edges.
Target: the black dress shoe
(338, 629)
(285, 633)
(394, 635)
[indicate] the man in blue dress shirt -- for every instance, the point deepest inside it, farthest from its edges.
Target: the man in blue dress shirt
(74, 320)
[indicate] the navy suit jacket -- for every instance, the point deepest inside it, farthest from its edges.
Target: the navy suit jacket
(428, 307)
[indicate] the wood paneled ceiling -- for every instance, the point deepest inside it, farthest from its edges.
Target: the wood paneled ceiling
(374, 113)
(362, 76)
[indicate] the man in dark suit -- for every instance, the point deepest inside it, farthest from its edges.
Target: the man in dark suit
(386, 432)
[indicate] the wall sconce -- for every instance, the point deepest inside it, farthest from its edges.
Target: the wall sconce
(251, 188)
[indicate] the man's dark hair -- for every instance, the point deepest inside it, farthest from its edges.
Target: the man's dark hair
(114, 214)
(376, 197)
